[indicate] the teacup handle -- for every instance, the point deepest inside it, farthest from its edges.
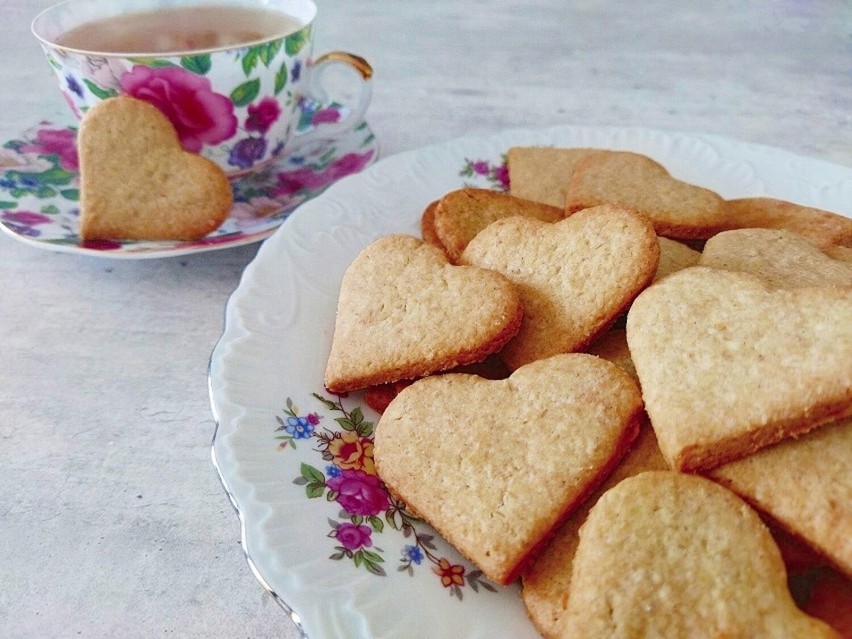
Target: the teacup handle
(318, 93)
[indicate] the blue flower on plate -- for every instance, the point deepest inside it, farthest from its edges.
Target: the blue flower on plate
(332, 471)
(299, 427)
(412, 554)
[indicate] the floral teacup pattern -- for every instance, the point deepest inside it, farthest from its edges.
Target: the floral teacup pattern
(236, 105)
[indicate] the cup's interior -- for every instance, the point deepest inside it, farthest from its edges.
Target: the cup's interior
(57, 20)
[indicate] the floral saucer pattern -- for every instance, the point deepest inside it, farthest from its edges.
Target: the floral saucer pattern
(39, 189)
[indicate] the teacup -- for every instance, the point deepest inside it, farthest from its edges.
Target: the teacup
(238, 104)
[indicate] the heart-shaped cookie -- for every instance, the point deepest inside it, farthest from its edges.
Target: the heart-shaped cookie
(542, 173)
(461, 214)
(728, 364)
(137, 183)
(547, 580)
(677, 209)
(675, 556)
(674, 256)
(495, 465)
(574, 277)
(822, 228)
(404, 311)
(780, 258)
(805, 485)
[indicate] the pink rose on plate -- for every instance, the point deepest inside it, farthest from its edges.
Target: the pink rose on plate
(200, 115)
(359, 493)
(353, 537)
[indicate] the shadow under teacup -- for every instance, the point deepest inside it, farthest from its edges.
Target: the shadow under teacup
(235, 77)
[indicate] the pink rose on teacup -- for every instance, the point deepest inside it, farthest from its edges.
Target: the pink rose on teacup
(200, 115)
(262, 115)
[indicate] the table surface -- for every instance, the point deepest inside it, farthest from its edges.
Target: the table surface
(113, 522)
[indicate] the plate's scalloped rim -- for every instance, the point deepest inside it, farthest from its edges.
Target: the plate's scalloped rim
(806, 168)
(294, 617)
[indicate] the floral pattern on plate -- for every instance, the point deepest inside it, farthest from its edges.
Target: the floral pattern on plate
(39, 189)
(283, 444)
(349, 478)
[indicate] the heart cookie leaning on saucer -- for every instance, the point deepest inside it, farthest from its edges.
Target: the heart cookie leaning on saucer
(137, 183)
(729, 364)
(404, 311)
(665, 554)
(495, 465)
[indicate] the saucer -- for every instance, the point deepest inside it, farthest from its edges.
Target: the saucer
(39, 192)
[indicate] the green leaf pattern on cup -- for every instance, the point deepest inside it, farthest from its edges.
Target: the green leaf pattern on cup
(199, 64)
(245, 93)
(99, 91)
(295, 42)
(281, 78)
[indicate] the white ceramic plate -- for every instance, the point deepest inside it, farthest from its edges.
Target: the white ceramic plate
(319, 530)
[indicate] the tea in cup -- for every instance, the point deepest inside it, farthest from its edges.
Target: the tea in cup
(235, 78)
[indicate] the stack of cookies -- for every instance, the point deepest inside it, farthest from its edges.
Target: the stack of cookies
(668, 425)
